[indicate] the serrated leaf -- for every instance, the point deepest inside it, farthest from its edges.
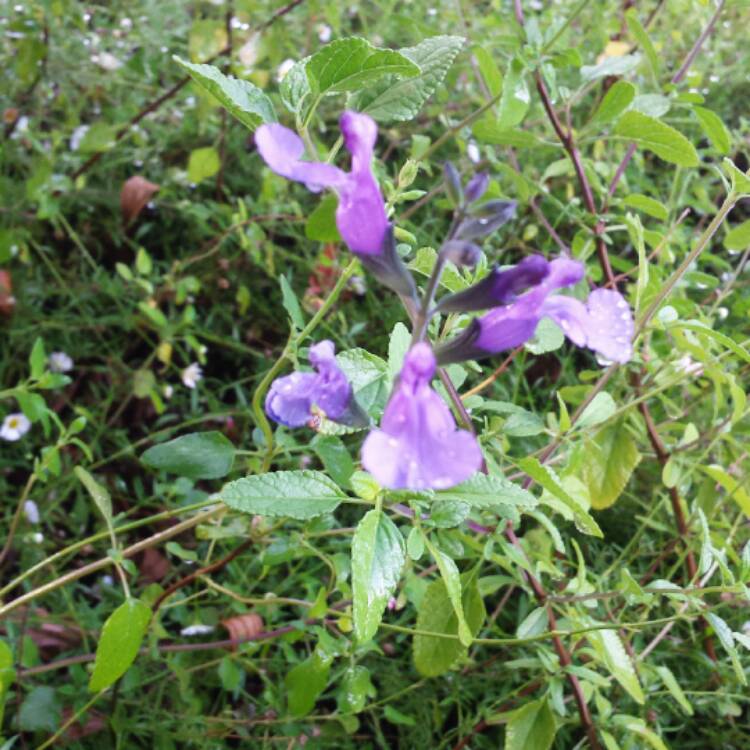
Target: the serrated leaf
(601, 408)
(670, 682)
(435, 614)
(296, 494)
(291, 304)
(351, 64)
(611, 457)
(610, 650)
(666, 142)
(119, 643)
(198, 455)
(714, 128)
(546, 479)
(615, 102)
(335, 457)
(531, 726)
(378, 555)
(242, 99)
(398, 101)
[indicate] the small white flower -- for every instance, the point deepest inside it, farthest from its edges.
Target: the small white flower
(77, 136)
(168, 391)
(22, 126)
(472, 151)
(60, 362)
(107, 580)
(31, 511)
(191, 375)
(197, 630)
(722, 312)
(324, 32)
(14, 427)
(250, 51)
(107, 61)
(126, 24)
(283, 69)
(38, 538)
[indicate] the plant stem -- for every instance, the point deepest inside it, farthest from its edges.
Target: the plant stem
(17, 518)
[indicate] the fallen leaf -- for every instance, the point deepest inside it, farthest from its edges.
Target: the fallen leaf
(153, 565)
(135, 194)
(244, 627)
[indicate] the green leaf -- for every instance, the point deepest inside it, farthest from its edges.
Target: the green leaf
(515, 99)
(203, 163)
(611, 457)
(601, 408)
(738, 238)
(740, 180)
(100, 137)
(547, 338)
(242, 99)
(291, 303)
(40, 710)
(199, 455)
(398, 345)
(368, 375)
(610, 650)
(335, 457)
(119, 643)
(400, 100)
(647, 205)
(7, 675)
(615, 102)
(487, 130)
(492, 492)
(666, 142)
(491, 74)
(452, 580)
(98, 493)
(296, 494)
(714, 128)
(356, 688)
(611, 66)
(208, 37)
(378, 555)
(396, 717)
(546, 479)
(734, 488)
(639, 728)
(351, 64)
(670, 682)
(644, 40)
(321, 223)
(305, 682)
(37, 359)
(531, 726)
(433, 656)
(32, 405)
(724, 634)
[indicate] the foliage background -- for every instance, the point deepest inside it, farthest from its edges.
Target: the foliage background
(195, 278)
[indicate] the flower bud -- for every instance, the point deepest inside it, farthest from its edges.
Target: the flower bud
(477, 187)
(453, 187)
(408, 173)
(486, 219)
(461, 253)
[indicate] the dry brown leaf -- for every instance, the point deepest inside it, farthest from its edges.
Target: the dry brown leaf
(7, 300)
(135, 194)
(244, 627)
(153, 565)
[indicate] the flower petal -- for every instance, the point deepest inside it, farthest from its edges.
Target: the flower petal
(610, 325)
(419, 446)
(290, 398)
(282, 150)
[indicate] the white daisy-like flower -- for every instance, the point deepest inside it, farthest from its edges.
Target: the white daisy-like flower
(324, 32)
(60, 362)
(283, 69)
(197, 629)
(31, 511)
(191, 375)
(14, 427)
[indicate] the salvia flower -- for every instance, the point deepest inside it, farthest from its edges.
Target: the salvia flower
(604, 323)
(291, 399)
(418, 445)
(360, 216)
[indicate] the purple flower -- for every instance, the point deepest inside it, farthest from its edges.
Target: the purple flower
(604, 323)
(418, 445)
(360, 216)
(290, 399)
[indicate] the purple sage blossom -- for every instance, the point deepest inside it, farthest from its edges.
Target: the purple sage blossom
(360, 216)
(604, 323)
(418, 445)
(291, 398)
